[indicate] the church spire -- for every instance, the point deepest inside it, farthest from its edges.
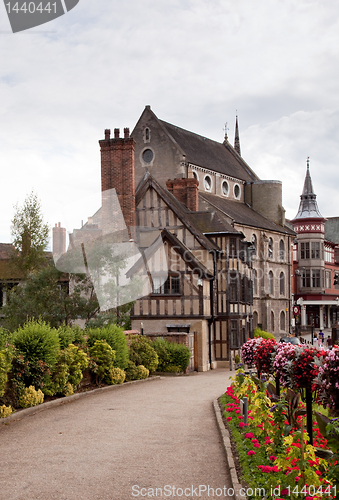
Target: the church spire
(236, 137)
(308, 207)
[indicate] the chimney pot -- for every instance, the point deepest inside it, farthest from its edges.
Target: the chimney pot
(107, 134)
(126, 133)
(116, 133)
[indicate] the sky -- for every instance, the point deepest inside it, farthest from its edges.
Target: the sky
(198, 63)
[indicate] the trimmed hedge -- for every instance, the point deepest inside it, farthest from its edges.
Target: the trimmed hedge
(173, 357)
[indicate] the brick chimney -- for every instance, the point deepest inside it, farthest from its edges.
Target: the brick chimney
(59, 239)
(186, 191)
(117, 171)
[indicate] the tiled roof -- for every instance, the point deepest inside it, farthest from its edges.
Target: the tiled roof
(210, 154)
(6, 250)
(211, 223)
(240, 212)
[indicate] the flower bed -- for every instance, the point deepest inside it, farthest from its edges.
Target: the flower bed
(275, 466)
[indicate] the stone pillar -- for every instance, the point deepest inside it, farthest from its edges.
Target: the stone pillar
(321, 317)
(303, 315)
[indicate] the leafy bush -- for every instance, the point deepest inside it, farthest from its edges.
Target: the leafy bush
(5, 366)
(134, 372)
(142, 372)
(114, 336)
(5, 338)
(5, 411)
(102, 361)
(116, 376)
(68, 371)
(141, 352)
(37, 348)
(71, 335)
(258, 332)
(172, 357)
(30, 397)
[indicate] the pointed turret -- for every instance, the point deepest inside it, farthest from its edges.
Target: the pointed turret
(308, 207)
(236, 137)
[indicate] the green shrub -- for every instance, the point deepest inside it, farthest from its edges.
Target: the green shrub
(5, 338)
(5, 411)
(30, 397)
(131, 371)
(116, 376)
(173, 357)
(115, 337)
(102, 360)
(68, 371)
(134, 372)
(258, 332)
(141, 352)
(71, 335)
(142, 372)
(36, 354)
(5, 367)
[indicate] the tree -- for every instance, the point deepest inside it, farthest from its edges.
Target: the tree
(45, 295)
(30, 235)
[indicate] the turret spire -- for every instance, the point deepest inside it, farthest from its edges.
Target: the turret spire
(308, 204)
(236, 137)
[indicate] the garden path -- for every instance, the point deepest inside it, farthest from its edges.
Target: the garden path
(145, 435)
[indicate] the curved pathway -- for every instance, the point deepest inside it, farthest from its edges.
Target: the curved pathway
(120, 445)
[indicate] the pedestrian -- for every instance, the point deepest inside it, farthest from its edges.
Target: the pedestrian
(329, 342)
(321, 335)
(315, 338)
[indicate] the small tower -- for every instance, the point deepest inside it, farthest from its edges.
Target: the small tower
(308, 207)
(236, 137)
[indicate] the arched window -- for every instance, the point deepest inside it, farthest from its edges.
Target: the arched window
(282, 321)
(255, 282)
(270, 283)
(282, 283)
(255, 320)
(195, 175)
(272, 322)
(270, 248)
(147, 135)
(254, 244)
(282, 250)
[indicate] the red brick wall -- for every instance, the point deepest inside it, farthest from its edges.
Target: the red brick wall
(117, 171)
(186, 191)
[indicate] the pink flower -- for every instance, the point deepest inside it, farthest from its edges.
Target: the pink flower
(241, 424)
(251, 452)
(249, 435)
(273, 458)
(229, 418)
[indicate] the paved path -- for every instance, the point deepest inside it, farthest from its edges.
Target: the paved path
(146, 435)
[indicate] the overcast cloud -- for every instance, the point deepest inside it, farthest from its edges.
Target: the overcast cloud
(195, 62)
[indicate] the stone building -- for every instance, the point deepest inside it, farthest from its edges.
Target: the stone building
(315, 262)
(228, 187)
(226, 265)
